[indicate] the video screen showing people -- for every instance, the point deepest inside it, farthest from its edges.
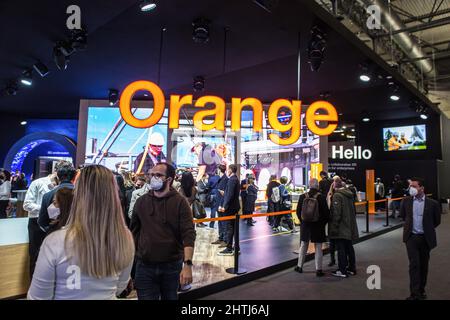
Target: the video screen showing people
(118, 146)
(192, 151)
(405, 138)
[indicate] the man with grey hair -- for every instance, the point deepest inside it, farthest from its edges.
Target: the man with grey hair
(313, 212)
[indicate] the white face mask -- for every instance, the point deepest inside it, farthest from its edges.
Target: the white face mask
(156, 184)
(53, 212)
(413, 191)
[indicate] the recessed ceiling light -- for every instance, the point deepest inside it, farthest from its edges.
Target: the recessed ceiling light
(147, 6)
(364, 78)
(23, 123)
(113, 96)
(423, 116)
(27, 78)
(394, 97)
(366, 119)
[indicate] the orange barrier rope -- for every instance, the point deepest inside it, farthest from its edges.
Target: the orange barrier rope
(261, 214)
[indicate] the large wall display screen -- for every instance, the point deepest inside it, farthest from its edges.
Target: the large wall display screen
(116, 145)
(405, 138)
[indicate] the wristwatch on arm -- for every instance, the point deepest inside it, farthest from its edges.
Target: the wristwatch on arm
(188, 263)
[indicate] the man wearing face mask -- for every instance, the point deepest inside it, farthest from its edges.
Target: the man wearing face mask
(154, 154)
(32, 204)
(66, 174)
(422, 215)
(163, 230)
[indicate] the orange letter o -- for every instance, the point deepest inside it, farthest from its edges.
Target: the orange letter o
(158, 104)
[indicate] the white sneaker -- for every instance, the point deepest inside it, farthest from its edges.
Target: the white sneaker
(338, 273)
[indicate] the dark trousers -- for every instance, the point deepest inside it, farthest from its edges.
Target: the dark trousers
(332, 250)
(3, 206)
(379, 205)
(35, 237)
(230, 232)
(419, 257)
(287, 218)
(157, 281)
(346, 255)
(272, 207)
(222, 227)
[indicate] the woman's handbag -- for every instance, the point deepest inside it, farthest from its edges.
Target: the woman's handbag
(198, 209)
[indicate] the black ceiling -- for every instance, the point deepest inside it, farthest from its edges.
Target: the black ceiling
(123, 46)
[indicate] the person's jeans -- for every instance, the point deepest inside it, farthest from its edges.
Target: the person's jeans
(346, 255)
(158, 280)
(395, 207)
(318, 254)
(214, 209)
(222, 227)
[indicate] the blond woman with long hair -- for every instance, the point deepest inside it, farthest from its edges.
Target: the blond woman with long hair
(90, 258)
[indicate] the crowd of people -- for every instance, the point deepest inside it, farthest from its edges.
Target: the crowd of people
(106, 233)
(9, 184)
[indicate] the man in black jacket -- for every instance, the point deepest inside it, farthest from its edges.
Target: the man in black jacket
(66, 173)
(325, 183)
(231, 206)
(422, 215)
(221, 186)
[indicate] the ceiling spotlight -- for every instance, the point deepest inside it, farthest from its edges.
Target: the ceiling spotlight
(113, 96)
(423, 116)
(316, 48)
(41, 69)
(344, 127)
(365, 116)
(23, 123)
(78, 39)
(147, 6)
(61, 53)
(394, 97)
(11, 89)
(199, 83)
(200, 32)
(27, 78)
(364, 78)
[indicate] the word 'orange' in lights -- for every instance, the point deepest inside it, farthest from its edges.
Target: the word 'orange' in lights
(318, 111)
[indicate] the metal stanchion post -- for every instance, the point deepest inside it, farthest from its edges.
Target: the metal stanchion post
(236, 269)
(387, 214)
(367, 217)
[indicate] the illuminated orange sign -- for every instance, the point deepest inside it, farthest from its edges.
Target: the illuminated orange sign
(319, 111)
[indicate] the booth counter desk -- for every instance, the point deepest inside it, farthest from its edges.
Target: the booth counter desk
(14, 261)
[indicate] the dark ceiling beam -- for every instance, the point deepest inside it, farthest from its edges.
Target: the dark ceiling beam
(426, 16)
(426, 45)
(420, 27)
(438, 78)
(443, 54)
(432, 13)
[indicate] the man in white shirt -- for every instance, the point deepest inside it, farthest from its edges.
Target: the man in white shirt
(32, 204)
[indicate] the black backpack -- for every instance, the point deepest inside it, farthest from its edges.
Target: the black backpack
(310, 208)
